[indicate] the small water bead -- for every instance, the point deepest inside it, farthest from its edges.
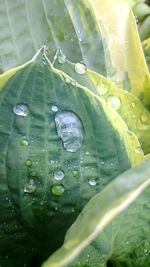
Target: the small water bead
(102, 89)
(61, 58)
(80, 68)
(58, 190)
(59, 175)
(68, 80)
(21, 110)
(54, 108)
(30, 187)
(75, 173)
(28, 163)
(24, 142)
(74, 83)
(92, 182)
(144, 117)
(133, 104)
(114, 101)
(138, 150)
(87, 153)
(70, 130)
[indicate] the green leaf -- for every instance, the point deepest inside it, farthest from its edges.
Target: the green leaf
(100, 211)
(47, 182)
(123, 50)
(70, 25)
(128, 106)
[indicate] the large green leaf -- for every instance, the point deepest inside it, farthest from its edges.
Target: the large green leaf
(123, 51)
(48, 170)
(126, 105)
(70, 25)
(99, 212)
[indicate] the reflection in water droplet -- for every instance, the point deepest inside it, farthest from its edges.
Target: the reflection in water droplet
(102, 89)
(70, 130)
(24, 142)
(92, 182)
(54, 108)
(133, 104)
(28, 162)
(59, 175)
(114, 101)
(61, 58)
(58, 190)
(21, 110)
(80, 68)
(144, 117)
(30, 187)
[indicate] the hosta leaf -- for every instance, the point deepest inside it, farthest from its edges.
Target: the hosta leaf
(70, 25)
(146, 47)
(100, 210)
(54, 156)
(126, 105)
(123, 51)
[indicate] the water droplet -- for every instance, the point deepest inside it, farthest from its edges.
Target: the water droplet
(75, 173)
(21, 110)
(59, 175)
(24, 142)
(144, 117)
(73, 210)
(30, 187)
(114, 101)
(68, 80)
(70, 130)
(28, 162)
(102, 162)
(58, 190)
(74, 83)
(61, 58)
(133, 104)
(102, 89)
(92, 182)
(80, 68)
(138, 150)
(87, 153)
(54, 108)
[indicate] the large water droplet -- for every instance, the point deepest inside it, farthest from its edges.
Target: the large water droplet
(24, 142)
(28, 162)
(114, 101)
(54, 108)
(59, 175)
(92, 182)
(70, 130)
(80, 68)
(21, 110)
(58, 190)
(30, 187)
(102, 89)
(61, 58)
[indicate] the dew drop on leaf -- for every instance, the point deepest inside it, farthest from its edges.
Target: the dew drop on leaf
(70, 130)
(133, 104)
(21, 110)
(87, 153)
(138, 150)
(75, 173)
(58, 190)
(80, 68)
(59, 175)
(144, 117)
(114, 101)
(92, 182)
(24, 142)
(68, 80)
(54, 108)
(61, 58)
(30, 187)
(102, 89)
(28, 162)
